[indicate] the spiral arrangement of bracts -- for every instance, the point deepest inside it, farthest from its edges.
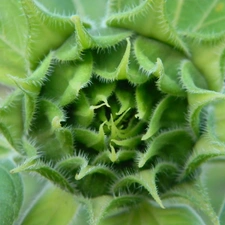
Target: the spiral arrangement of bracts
(109, 111)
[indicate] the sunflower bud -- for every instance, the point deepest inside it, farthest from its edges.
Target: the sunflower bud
(123, 111)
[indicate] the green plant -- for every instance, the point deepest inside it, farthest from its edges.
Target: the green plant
(119, 110)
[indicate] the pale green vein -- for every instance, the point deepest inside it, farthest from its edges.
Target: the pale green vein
(118, 5)
(154, 216)
(221, 209)
(131, 218)
(213, 21)
(178, 12)
(13, 47)
(20, 37)
(204, 16)
(79, 7)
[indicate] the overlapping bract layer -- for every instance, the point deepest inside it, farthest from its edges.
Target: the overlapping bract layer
(108, 110)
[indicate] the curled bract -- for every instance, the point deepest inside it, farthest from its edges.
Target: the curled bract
(125, 109)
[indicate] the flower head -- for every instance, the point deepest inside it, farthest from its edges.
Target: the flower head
(131, 108)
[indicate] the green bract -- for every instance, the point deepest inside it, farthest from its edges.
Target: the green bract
(120, 111)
